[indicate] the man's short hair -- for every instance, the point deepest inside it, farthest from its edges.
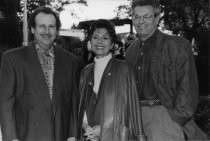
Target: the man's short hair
(154, 3)
(45, 10)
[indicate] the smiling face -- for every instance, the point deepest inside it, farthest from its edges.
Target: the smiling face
(101, 42)
(144, 21)
(45, 30)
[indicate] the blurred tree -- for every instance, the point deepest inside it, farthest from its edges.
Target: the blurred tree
(11, 17)
(9, 21)
(57, 5)
(185, 17)
(123, 11)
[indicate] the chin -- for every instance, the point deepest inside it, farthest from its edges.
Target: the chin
(143, 35)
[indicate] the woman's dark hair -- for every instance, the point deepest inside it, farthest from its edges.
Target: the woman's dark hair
(103, 23)
(45, 10)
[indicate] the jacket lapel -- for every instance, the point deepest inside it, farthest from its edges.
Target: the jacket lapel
(105, 75)
(37, 76)
(56, 86)
(157, 58)
(90, 83)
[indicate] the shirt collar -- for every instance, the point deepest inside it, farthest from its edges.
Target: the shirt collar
(104, 59)
(151, 38)
(41, 51)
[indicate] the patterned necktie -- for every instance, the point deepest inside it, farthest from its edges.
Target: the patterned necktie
(47, 66)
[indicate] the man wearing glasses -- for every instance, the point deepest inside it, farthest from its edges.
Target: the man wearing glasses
(38, 86)
(167, 79)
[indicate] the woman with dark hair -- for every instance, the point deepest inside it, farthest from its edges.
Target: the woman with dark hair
(109, 109)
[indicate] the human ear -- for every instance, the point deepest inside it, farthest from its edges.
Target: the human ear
(157, 19)
(112, 45)
(89, 47)
(32, 30)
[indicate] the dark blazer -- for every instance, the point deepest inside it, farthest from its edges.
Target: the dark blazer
(26, 110)
(120, 113)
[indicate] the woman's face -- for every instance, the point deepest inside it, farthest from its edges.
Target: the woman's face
(101, 42)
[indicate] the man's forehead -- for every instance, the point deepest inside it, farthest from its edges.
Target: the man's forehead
(143, 10)
(45, 18)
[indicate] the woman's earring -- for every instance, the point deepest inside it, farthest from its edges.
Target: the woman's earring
(89, 48)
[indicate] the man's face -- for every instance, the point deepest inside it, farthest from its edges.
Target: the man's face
(144, 21)
(45, 30)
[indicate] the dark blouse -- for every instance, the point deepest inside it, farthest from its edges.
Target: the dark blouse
(93, 108)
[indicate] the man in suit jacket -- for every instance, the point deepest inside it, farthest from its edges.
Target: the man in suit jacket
(38, 86)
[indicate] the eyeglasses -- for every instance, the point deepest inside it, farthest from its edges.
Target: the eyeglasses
(44, 27)
(145, 17)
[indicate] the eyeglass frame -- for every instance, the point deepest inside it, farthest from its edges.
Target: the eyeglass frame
(145, 17)
(45, 27)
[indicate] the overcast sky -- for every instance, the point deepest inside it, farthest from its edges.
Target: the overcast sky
(96, 9)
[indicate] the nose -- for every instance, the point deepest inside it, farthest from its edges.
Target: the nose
(141, 19)
(47, 30)
(100, 40)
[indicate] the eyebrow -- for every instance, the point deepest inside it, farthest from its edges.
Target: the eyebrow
(106, 34)
(143, 14)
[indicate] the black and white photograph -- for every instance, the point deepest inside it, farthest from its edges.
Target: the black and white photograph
(104, 70)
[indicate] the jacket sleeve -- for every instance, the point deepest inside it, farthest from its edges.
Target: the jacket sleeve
(83, 90)
(187, 94)
(7, 99)
(73, 126)
(136, 126)
(81, 103)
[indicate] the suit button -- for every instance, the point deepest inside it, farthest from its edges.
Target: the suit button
(28, 92)
(90, 83)
(35, 123)
(32, 108)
